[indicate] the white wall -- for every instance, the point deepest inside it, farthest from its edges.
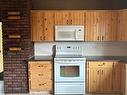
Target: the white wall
(90, 48)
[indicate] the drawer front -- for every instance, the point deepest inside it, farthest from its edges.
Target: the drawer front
(40, 65)
(45, 74)
(100, 64)
(40, 85)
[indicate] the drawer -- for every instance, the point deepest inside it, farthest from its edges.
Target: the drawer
(40, 65)
(40, 85)
(101, 64)
(47, 74)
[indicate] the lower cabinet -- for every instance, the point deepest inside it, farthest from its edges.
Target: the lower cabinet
(40, 76)
(105, 77)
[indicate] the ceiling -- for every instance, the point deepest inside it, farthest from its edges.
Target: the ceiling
(79, 4)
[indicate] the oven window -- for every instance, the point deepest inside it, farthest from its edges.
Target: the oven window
(69, 71)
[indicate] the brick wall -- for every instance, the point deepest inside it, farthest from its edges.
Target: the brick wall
(15, 16)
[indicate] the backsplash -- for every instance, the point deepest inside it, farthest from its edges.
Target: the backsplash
(89, 49)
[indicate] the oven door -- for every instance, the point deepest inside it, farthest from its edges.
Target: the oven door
(69, 72)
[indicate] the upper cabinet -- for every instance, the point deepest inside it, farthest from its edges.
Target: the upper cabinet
(122, 25)
(42, 25)
(69, 17)
(101, 25)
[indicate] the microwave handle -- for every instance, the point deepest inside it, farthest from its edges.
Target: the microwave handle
(75, 34)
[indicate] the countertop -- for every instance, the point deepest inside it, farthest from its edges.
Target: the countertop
(97, 58)
(92, 58)
(41, 58)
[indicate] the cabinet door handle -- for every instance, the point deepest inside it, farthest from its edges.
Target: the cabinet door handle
(67, 21)
(99, 65)
(45, 19)
(103, 64)
(102, 72)
(71, 21)
(98, 38)
(42, 84)
(98, 72)
(40, 74)
(40, 37)
(44, 37)
(41, 66)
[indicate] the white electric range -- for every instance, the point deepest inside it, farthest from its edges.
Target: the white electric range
(69, 69)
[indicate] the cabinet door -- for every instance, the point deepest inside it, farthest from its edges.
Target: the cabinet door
(48, 33)
(42, 25)
(122, 25)
(117, 76)
(105, 80)
(36, 65)
(99, 76)
(92, 32)
(109, 25)
(76, 18)
(62, 17)
(37, 25)
(69, 18)
(40, 85)
(101, 25)
(93, 80)
(40, 76)
(94, 76)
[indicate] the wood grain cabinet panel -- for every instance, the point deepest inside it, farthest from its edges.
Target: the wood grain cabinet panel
(104, 77)
(100, 77)
(40, 85)
(69, 18)
(122, 25)
(40, 65)
(42, 25)
(101, 25)
(40, 76)
(117, 76)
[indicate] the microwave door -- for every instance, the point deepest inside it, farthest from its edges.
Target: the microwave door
(65, 36)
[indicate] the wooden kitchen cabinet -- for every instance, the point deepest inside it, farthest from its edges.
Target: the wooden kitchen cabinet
(122, 25)
(100, 76)
(40, 76)
(101, 25)
(42, 25)
(104, 77)
(117, 76)
(69, 18)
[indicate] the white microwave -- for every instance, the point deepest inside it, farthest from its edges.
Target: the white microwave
(69, 33)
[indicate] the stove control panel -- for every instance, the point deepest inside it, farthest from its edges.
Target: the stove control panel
(69, 49)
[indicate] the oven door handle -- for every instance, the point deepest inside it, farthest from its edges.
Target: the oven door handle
(68, 63)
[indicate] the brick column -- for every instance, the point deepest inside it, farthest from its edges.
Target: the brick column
(15, 16)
